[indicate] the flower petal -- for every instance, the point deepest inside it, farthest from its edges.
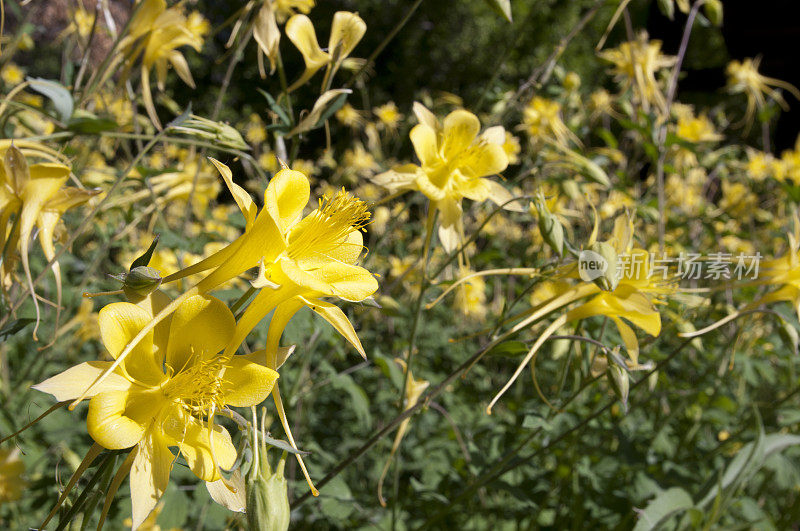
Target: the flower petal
(201, 327)
(71, 383)
(240, 195)
(247, 383)
(483, 160)
(200, 450)
(119, 323)
(235, 501)
(460, 129)
(149, 476)
(286, 196)
(425, 144)
(108, 422)
(349, 282)
(336, 317)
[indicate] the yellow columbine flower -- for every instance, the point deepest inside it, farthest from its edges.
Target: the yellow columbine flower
(155, 33)
(630, 296)
(301, 261)
(12, 75)
(636, 64)
(542, 119)
(347, 29)
(693, 128)
(166, 392)
(35, 195)
(388, 116)
(454, 161)
(743, 78)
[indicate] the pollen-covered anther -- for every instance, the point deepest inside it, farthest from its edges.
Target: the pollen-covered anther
(198, 387)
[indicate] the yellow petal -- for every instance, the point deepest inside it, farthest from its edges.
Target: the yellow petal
(300, 31)
(398, 178)
(280, 318)
(347, 29)
(347, 251)
(200, 328)
(200, 450)
(247, 383)
(349, 282)
(240, 195)
(500, 196)
(149, 476)
(336, 317)
(119, 323)
(286, 196)
(425, 116)
(425, 144)
(267, 34)
(475, 189)
(69, 384)
(460, 129)
(108, 423)
(236, 500)
(483, 160)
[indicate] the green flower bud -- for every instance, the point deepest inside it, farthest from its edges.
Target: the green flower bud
(550, 227)
(140, 282)
(267, 500)
(667, 8)
(620, 383)
(713, 11)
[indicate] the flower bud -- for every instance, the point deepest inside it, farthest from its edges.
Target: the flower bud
(550, 227)
(713, 11)
(140, 282)
(267, 499)
(218, 132)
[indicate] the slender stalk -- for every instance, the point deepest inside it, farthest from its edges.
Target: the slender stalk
(662, 132)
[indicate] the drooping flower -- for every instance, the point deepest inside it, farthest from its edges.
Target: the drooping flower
(166, 392)
(541, 118)
(33, 195)
(154, 34)
(454, 163)
(347, 29)
(636, 64)
(627, 293)
(744, 78)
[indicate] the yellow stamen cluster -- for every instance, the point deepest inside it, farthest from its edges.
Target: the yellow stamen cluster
(197, 387)
(329, 226)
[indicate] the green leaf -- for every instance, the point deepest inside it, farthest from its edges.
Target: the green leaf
(502, 8)
(15, 326)
(277, 109)
(88, 123)
(509, 349)
(145, 258)
(55, 92)
(669, 503)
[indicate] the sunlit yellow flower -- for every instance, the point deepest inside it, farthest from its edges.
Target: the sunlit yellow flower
(541, 118)
(636, 64)
(759, 164)
(11, 74)
(350, 116)
(629, 293)
(11, 469)
(512, 148)
(255, 132)
(470, 298)
(454, 161)
(154, 34)
(389, 117)
(35, 196)
(347, 29)
(301, 261)
(743, 78)
(81, 23)
(693, 128)
(360, 161)
(600, 103)
(166, 392)
(738, 199)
